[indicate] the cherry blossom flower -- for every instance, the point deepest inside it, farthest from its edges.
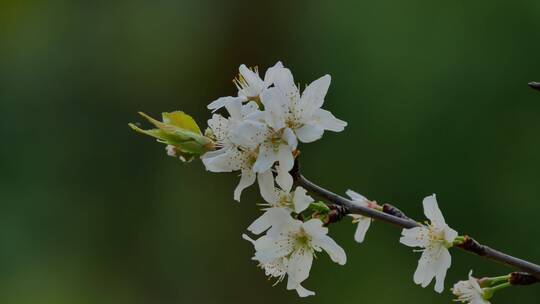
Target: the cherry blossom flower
(234, 153)
(435, 240)
(249, 85)
(297, 241)
(363, 221)
(285, 108)
(274, 268)
(287, 118)
(282, 203)
(469, 291)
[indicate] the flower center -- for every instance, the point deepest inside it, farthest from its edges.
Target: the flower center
(302, 241)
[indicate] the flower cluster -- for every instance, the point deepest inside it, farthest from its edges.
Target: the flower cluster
(257, 133)
(266, 121)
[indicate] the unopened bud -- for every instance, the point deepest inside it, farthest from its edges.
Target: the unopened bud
(180, 133)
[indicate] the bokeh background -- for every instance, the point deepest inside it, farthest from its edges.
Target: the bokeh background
(435, 93)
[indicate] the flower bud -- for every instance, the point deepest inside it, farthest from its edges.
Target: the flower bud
(180, 133)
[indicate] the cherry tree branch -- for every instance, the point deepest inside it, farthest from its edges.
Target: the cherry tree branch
(469, 244)
(535, 85)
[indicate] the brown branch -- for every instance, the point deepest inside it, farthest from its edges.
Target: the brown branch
(469, 245)
(535, 85)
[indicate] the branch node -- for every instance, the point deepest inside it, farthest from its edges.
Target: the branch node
(472, 245)
(336, 214)
(522, 278)
(393, 210)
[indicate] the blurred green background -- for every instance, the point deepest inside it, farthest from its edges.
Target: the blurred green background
(434, 92)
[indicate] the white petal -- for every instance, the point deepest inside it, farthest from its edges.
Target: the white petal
(315, 228)
(300, 265)
(336, 253)
(266, 186)
(450, 234)
(247, 179)
(316, 91)
(247, 238)
(309, 133)
(269, 76)
(284, 179)
(275, 105)
(272, 216)
(277, 250)
(222, 162)
(290, 138)
(266, 158)
(250, 108)
(356, 197)
(424, 273)
(415, 237)
(327, 121)
(212, 154)
(362, 228)
(302, 292)
(432, 211)
(223, 101)
(248, 133)
(253, 80)
(268, 252)
(443, 263)
(234, 108)
(262, 243)
(285, 157)
(219, 126)
(301, 200)
(287, 225)
(474, 282)
(284, 81)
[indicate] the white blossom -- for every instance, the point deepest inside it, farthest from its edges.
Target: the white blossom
(274, 145)
(249, 85)
(234, 152)
(286, 108)
(287, 118)
(363, 221)
(469, 291)
(281, 204)
(435, 240)
(297, 241)
(275, 268)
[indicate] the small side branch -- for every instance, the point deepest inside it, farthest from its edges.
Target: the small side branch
(535, 85)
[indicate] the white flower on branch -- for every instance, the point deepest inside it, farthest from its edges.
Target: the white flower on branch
(296, 242)
(363, 221)
(249, 85)
(285, 108)
(274, 145)
(287, 118)
(469, 291)
(282, 203)
(235, 153)
(435, 240)
(274, 268)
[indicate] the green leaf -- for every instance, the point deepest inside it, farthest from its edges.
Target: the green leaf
(181, 120)
(319, 207)
(179, 130)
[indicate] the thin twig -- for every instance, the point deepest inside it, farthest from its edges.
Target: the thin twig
(535, 85)
(469, 245)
